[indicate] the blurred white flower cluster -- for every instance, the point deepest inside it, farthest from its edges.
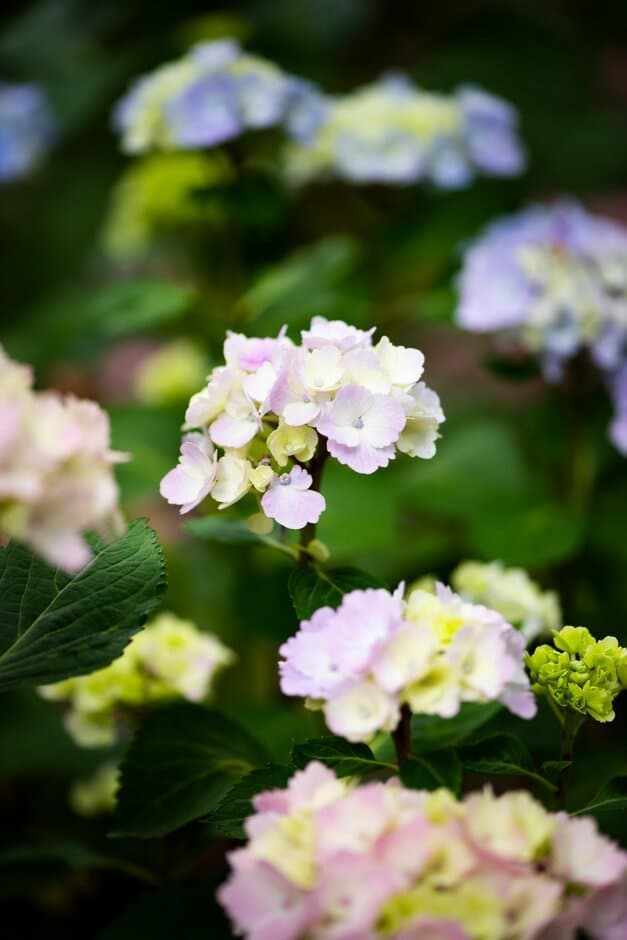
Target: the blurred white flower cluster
(56, 479)
(170, 659)
(513, 593)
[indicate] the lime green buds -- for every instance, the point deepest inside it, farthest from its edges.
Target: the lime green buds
(580, 672)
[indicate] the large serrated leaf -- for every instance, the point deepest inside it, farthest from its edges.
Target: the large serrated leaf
(431, 771)
(311, 588)
(501, 755)
(182, 762)
(54, 626)
(343, 757)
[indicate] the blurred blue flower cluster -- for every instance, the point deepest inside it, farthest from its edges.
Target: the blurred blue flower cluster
(393, 132)
(212, 94)
(390, 132)
(555, 279)
(27, 130)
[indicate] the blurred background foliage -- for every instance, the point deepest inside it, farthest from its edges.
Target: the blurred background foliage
(107, 259)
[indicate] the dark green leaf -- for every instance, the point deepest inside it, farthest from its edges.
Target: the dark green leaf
(500, 754)
(54, 627)
(431, 733)
(553, 768)
(311, 588)
(219, 529)
(182, 762)
(343, 757)
(70, 854)
(173, 910)
(613, 796)
(228, 817)
(428, 772)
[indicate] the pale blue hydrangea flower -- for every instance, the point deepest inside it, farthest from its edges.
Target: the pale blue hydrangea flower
(554, 278)
(26, 130)
(393, 132)
(211, 95)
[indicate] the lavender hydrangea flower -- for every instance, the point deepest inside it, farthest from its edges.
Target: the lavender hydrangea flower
(393, 132)
(290, 501)
(27, 130)
(211, 95)
(378, 652)
(554, 278)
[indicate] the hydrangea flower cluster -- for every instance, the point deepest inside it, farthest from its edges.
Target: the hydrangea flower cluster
(392, 132)
(332, 861)
(211, 95)
(376, 652)
(555, 279)
(56, 478)
(171, 658)
(512, 593)
(260, 417)
(27, 130)
(580, 672)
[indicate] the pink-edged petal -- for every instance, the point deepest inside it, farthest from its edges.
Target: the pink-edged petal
(384, 421)
(362, 459)
(227, 431)
(180, 489)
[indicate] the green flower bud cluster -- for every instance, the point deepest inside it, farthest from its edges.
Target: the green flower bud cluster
(580, 672)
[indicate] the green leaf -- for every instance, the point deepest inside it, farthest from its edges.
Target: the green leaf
(311, 587)
(553, 768)
(228, 817)
(501, 754)
(430, 733)
(54, 626)
(182, 762)
(343, 757)
(428, 772)
(77, 322)
(613, 796)
(536, 535)
(219, 529)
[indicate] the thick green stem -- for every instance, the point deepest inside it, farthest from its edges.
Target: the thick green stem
(402, 735)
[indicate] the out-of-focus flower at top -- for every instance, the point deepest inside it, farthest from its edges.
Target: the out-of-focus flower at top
(274, 407)
(513, 593)
(580, 672)
(554, 279)
(27, 130)
(171, 373)
(377, 652)
(170, 659)
(95, 795)
(393, 132)
(330, 860)
(56, 478)
(211, 95)
(161, 192)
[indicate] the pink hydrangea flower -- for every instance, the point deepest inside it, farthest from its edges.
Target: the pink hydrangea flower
(191, 480)
(361, 428)
(323, 332)
(337, 860)
(290, 501)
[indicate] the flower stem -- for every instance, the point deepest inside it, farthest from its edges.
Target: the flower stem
(572, 724)
(402, 735)
(316, 466)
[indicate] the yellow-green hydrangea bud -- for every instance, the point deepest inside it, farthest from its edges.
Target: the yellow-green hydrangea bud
(285, 442)
(580, 672)
(95, 795)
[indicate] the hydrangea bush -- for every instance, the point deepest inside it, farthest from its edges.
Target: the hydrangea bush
(415, 763)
